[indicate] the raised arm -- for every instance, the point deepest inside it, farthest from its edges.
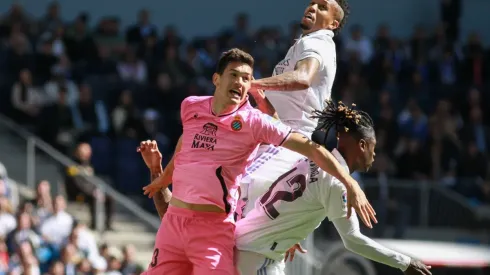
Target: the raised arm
(162, 181)
(358, 243)
(297, 80)
(263, 104)
(327, 162)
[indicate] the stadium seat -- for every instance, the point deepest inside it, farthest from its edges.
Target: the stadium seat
(102, 155)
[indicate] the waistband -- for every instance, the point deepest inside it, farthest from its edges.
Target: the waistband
(183, 212)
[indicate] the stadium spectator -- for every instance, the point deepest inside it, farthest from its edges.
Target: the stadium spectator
(428, 95)
(79, 188)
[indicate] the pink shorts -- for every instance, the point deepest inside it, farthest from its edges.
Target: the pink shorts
(191, 242)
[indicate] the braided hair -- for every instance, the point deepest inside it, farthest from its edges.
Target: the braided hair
(344, 120)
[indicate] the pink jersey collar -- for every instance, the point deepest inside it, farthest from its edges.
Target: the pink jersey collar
(243, 104)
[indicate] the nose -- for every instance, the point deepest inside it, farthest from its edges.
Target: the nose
(312, 8)
(239, 82)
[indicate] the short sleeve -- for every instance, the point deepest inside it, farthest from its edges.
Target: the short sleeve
(267, 129)
(184, 107)
(315, 47)
(336, 203)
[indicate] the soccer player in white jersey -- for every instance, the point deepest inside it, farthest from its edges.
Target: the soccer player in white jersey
(301, 82)
(300, 199)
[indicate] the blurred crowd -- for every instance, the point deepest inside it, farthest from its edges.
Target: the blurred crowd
(111, 87)
(39, 237)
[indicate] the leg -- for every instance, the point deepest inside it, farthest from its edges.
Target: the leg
(251, 263)
(169, 255)
(211, 247)
(109, 210)
(276, 268)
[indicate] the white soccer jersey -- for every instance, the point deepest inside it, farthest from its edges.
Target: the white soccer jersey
(294, 108)
(291, 209)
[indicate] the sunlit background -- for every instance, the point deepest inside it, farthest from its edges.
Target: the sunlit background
(82, 82)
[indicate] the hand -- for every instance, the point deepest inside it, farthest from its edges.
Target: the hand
(151, 155)
(417, 267)
(156, 186)
(292, 250)
(357, 199)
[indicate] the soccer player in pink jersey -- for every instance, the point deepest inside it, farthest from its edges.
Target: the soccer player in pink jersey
(221, 134)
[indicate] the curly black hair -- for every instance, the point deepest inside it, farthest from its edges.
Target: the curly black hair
(344, 5)
(344, 120)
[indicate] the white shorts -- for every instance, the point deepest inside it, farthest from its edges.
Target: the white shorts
(251, 263)
(270, 163)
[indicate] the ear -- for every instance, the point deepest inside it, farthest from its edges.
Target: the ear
(335, 24)
(363, 145)
(216, 79)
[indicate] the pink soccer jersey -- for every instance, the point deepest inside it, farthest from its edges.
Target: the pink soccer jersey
(216, 149)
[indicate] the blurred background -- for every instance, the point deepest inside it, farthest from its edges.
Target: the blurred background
(81, 83)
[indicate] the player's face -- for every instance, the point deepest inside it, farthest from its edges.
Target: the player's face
(233, 85)
(320, 14)
(366, 157)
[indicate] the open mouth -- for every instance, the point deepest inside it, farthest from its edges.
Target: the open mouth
(309, 16)
(235, 93)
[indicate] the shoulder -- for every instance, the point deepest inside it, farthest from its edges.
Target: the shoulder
(195, 102)
(190, 100)
(318, 41)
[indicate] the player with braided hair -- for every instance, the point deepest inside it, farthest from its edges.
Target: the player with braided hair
(300, 199)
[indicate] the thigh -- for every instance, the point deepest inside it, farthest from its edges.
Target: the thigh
(168, 255)
(210, 247)
(250, 263)
(276, 268)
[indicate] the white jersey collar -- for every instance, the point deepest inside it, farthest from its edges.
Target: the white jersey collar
(341, 159)
(320, 32)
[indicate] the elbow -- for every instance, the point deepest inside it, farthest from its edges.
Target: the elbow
(303, 81)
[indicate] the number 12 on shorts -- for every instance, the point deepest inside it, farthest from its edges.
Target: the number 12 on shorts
(293, 187)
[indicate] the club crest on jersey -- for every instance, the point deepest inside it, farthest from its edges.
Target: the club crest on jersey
(237, 124)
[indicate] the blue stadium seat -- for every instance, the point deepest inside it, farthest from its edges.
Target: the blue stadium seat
(102, 155)
(130, 168)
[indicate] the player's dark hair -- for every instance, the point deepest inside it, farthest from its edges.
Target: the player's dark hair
(344, 5)
(233, 55)
(345, 120)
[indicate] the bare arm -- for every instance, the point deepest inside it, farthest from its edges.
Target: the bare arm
(299, 79)
(264, 105)
(321, 156)
(358, 243)
(161, 199)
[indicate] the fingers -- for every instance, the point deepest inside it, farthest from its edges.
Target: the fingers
(286, 256)
(372, 213)
(291, 255)
(364, 216)
(300, 248)
(147, 144)
(426, 270)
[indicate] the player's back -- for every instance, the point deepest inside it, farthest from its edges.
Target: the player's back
(292, 208)
(294, 108)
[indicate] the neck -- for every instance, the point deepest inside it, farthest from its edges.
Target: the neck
(222, 108)
(350, 161)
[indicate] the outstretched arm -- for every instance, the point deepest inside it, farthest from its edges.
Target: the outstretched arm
(263, 104)
(327, 162)
(297, 80)
(358, 243)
